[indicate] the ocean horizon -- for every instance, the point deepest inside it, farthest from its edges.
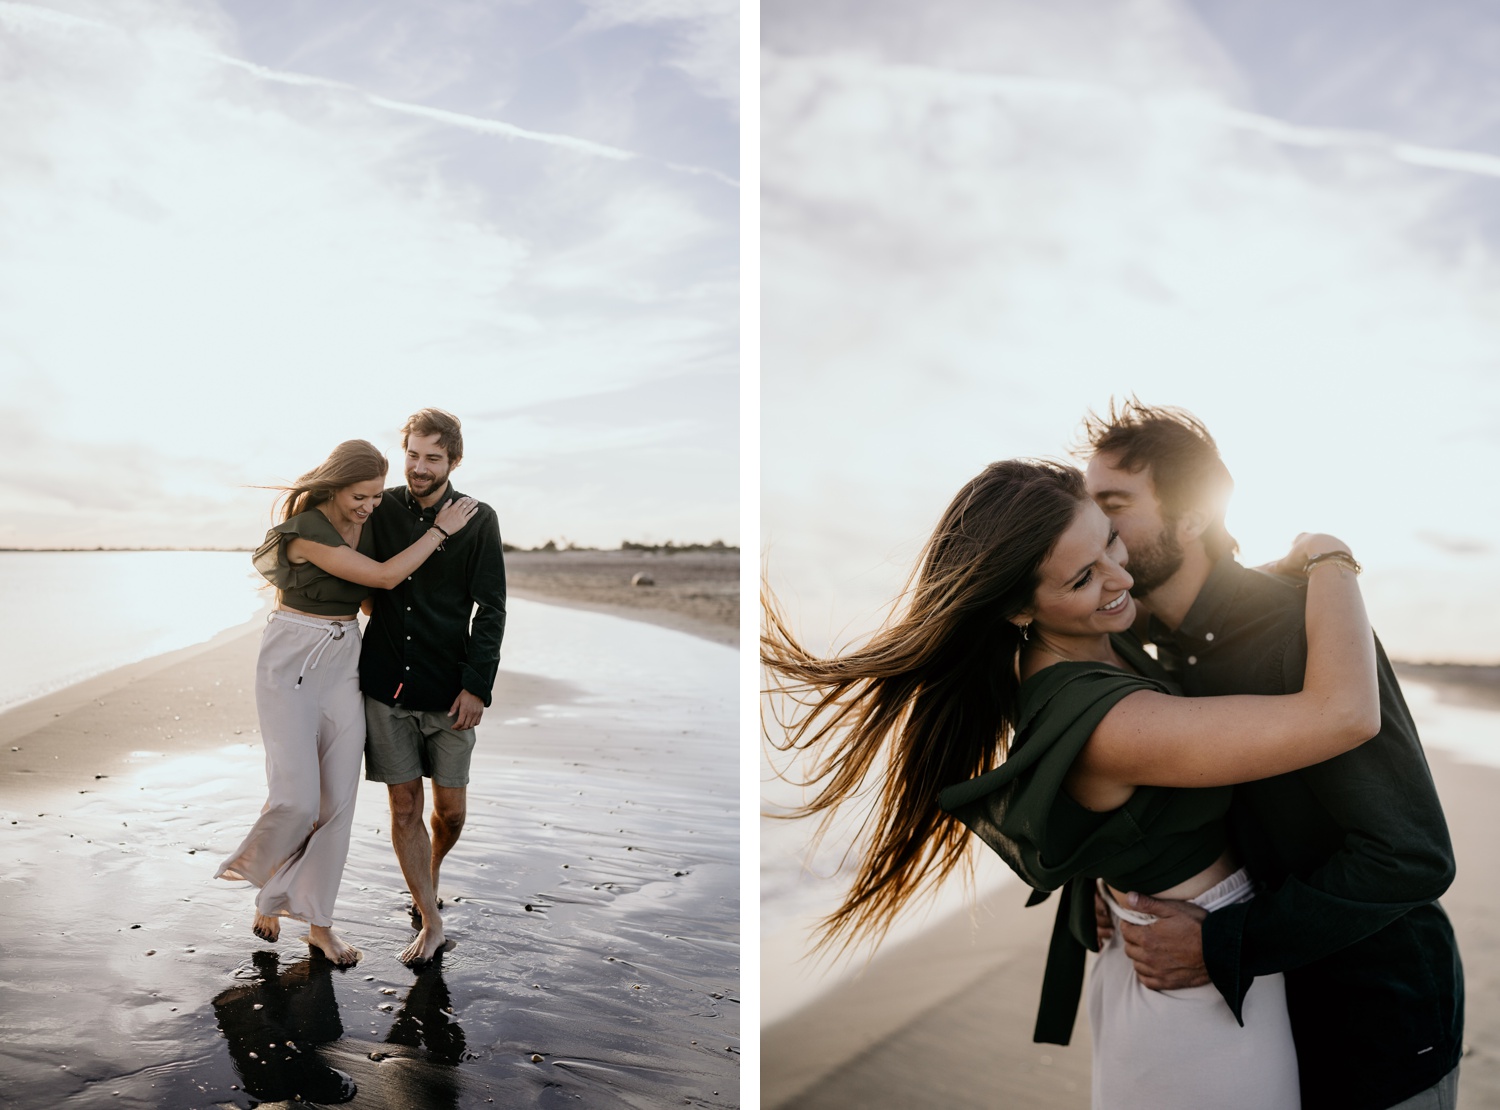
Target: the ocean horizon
(77, 614)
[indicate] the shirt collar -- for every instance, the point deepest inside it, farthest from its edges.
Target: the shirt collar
(1206, 616)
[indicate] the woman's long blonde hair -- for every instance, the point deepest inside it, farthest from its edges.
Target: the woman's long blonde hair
(930, 699)
(354, 460)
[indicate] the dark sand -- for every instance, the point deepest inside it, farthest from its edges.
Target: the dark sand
(697, 592)
(945, 1019)
(593, 902)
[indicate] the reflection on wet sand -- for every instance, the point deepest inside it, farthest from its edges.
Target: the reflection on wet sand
(426, 1020)
(275, 1023)
(283, 1028)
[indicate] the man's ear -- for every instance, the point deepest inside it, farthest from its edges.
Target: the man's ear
(1191, 525)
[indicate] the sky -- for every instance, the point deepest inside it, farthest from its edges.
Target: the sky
(982, 219)
(236, 233)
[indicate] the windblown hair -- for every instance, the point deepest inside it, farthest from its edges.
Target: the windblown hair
(930, 699)
(1182, 458)
(436, 422)
(354, 460)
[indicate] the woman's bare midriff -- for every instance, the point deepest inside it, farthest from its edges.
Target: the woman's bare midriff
(1210, 877)
(314, 616)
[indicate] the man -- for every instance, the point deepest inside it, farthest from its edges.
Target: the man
(1350, 856)
(427, 670)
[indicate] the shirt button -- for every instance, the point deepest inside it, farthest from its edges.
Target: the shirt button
(408, 637)
(1191, 660)
(408, 668)
(1209, 636)
(408, 578)
(408, 608)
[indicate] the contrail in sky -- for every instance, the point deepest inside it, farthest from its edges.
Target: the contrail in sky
(31, 18)
(955, 83)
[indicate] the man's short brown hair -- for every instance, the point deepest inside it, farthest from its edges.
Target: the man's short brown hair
(436, 422)
(1174, 447)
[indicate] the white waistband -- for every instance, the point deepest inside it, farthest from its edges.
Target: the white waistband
(1236, 888)
(324, 623)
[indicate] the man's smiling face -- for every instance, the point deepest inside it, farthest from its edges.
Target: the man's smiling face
(427, 465)
(1129, 499)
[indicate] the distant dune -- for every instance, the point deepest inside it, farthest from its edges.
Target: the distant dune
(1462, 683)
(696, 592)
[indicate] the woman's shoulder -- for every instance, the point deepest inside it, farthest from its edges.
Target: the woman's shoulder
(270, 557)
(1061, 705)
(1072, 687)
(311, 525)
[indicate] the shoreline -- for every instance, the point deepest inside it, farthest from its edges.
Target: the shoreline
(580, 584)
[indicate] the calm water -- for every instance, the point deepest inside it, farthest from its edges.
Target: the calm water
(73, 614)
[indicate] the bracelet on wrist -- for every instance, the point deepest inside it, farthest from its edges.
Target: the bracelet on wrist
(441, 531)
(1337, 558)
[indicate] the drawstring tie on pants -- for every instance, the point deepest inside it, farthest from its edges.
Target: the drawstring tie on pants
(334, 630)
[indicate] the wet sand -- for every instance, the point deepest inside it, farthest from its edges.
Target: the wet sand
(694, 592)
(945, 1018)
(593, 900)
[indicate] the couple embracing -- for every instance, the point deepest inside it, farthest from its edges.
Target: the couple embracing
(425, 563)
(1257, 863)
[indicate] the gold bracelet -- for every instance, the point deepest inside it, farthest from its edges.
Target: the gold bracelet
(1338, 558)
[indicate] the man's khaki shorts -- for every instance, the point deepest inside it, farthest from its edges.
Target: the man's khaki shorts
(406, 744)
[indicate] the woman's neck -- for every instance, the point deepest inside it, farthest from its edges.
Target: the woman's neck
(349, 529)
(1042, 651)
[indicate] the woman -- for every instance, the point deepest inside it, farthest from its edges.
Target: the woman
(1013, 646)
(307, 688)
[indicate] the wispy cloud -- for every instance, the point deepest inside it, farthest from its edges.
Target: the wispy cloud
(1463, 546)
(1168, 102)
(707, 36)
(195, 242)
(35, 18)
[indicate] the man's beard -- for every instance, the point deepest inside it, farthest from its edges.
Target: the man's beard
(1153, 563)
(429, 483)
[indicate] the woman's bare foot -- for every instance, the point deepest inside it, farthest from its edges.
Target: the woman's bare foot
(323, 938)
(428, 944)
(267, 928)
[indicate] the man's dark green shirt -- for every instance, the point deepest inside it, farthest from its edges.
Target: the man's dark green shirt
(1350, 857)
(439, 631)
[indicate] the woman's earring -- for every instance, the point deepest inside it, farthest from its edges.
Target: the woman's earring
(1026, 631)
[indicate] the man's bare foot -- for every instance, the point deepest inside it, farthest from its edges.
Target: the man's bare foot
(267, 928)
(428, 944)
(416, 914)
(331, 945)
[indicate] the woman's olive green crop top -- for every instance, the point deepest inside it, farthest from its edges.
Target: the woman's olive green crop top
(304, 586)
(1158, 838)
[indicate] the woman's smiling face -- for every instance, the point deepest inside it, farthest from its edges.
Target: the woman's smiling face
(354, 504)
(1084, 589)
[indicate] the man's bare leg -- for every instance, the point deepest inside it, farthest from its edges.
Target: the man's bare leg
(450, 806)
(414, 854)
(332, 945)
